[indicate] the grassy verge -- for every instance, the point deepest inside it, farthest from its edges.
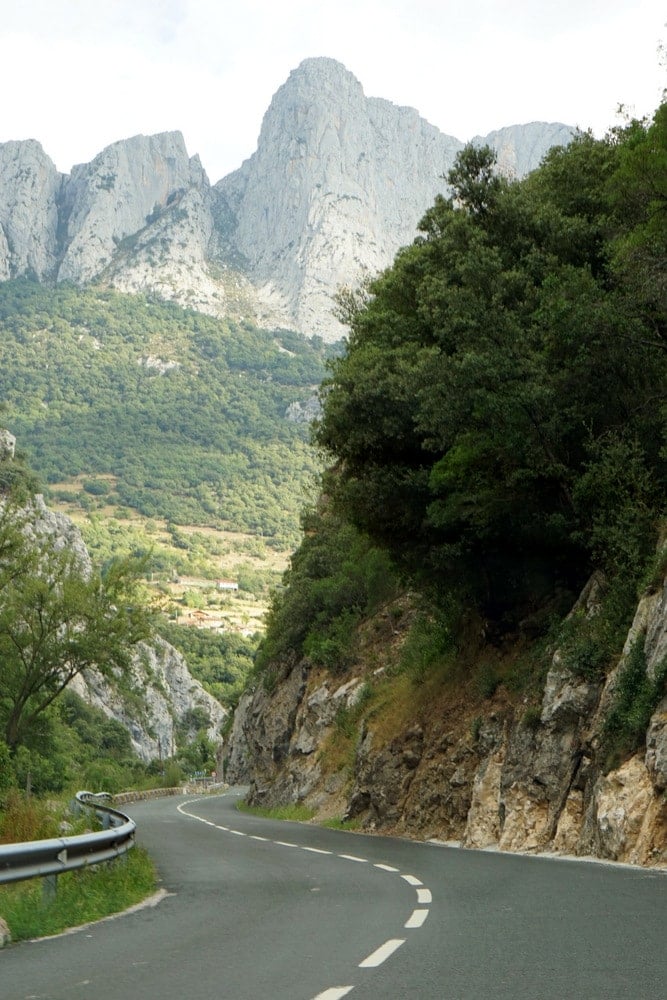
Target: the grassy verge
(299, 814)
(295, 812)
(81, 896)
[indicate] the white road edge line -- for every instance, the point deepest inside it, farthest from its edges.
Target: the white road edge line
(424, 896)
(387, 868)
(335, 993)
(416, 919)
(316, 850)
(411, 880)
(253, 836)
(352, 857)
(382, 953)
(284, 843)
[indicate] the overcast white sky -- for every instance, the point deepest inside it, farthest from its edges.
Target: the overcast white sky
(80, 74)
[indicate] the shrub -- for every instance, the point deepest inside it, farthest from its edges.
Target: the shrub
(635, 698)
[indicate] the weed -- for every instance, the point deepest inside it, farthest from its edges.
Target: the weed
(487, 680)
(26, 818)
(81, 896)
(532, 717)
(427, 645)
(341, 824)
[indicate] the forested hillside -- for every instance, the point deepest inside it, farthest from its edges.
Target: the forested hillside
(160, 409)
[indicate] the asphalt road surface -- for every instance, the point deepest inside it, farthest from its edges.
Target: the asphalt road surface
(284, 911)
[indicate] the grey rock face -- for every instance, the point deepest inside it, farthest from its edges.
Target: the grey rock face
(63, 533)
(122, 192)
(29, 190)
(521, 148)
(338, 184)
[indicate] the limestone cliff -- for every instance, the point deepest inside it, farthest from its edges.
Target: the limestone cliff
(502, 776)
(338, 183)
(164, 693)
(29, 190)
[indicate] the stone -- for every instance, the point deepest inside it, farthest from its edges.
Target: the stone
(515, 786)
(622, 800)
(5, 933)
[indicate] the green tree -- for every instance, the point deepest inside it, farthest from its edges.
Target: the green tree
(500, 373)
(56, 620)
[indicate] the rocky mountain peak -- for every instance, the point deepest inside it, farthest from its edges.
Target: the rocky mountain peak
(121, 192)
(338, 183)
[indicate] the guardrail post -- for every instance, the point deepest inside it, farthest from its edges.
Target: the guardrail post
(49, 888)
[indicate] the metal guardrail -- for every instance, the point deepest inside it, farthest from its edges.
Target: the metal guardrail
(40, 858)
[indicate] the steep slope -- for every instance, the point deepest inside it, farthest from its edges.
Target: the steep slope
(338, 183)
(369, 745)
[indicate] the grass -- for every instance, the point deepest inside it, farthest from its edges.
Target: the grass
(298, 813)
(295, 811)
(341, 824)
(81, 896)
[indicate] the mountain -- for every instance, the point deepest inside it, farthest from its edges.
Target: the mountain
(338, 183)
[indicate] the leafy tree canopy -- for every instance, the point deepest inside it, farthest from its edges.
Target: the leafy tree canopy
(497, 421)
(56, 619)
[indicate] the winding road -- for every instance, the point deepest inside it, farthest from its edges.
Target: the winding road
(259, 909)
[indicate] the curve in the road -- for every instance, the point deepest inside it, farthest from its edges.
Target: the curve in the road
(380, 955)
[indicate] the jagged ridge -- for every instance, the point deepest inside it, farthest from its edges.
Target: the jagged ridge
(338, 183)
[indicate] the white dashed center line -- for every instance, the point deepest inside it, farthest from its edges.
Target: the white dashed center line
(382, 953)
(416, 919)
(335, 993)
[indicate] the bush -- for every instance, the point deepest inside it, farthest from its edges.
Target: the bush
(429, 641)
(636, 697)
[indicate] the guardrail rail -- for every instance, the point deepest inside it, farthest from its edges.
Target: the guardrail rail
(43, 858)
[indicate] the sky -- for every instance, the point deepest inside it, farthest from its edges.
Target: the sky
(80, 74)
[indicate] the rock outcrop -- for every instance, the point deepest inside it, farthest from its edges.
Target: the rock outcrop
(165, 695)
(511, 778)
(338, 183)
(29, 191)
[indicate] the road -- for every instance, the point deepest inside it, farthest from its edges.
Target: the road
(259, 909)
